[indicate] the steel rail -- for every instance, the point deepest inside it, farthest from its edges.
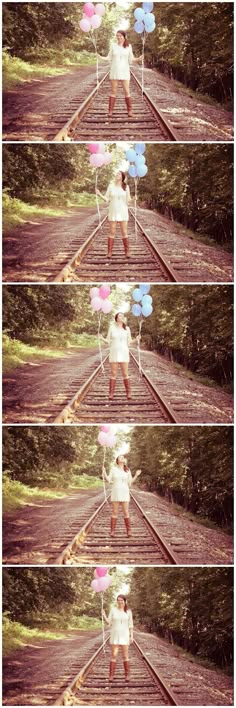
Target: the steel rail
(171, 132)
(75, 401)
(73, 121)
(166, 407)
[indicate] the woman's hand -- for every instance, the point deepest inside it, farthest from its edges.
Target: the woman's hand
(131, 639)
(138, 339)
(138, 473)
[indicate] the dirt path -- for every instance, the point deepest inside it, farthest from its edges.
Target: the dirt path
(35, 392)
(38, 250)
(35, 110)
(37, 533)
(37, 674)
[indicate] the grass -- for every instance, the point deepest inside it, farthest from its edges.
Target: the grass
(203, 238)
(86, 481)
(16, 353)
(48, 64)
(17, 212)
(202, 520)
(17, 636)
(15, 494)
(203, 97)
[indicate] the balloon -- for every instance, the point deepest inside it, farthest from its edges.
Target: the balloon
(130, 155)
(104, 291)
(85, 25)
(103, 583)
(95, 21)
(96, 304)
(100, 9)
(101, 570)
(149, 18)
(139, 160)
(140, 148)
(102, 438)
(89, 9)
(144, 287)
(136, 310)
(96, 160)
(147, 310)
(95, 574)
(146, 300)
(148, 6)
(150, 28)
(101, 148)
(107, 158)
(142, 170)
(132, 171)
(111, 440)
(93, 147)
(137, 294)
(94, 292)
(139, 14)
(105, 428)
(95, 585)
(139, 27)
(106, 306)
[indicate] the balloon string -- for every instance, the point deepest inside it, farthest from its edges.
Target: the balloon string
(139, 352)
(99, 343)
(135, 207)
(143, 41)
(97, 200)
(93, 38)
(103, 628)
(103, 477)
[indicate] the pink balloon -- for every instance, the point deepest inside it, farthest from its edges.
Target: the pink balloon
(102, 148)
(95, 585)
(94, 292)
(105, 428)
(89, 9)
(104, 583)
(93, 147)
(101, 570)
(96, 160)
(96, 21)
(106, 307)
(96, 304)
(111, 440)
(102, 438)
(107, 158)
(104, 291)
(95, 574)
(100, 9)
(85, 25)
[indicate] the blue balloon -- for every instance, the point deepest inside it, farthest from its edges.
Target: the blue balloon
(139, 14)
(133, 171)
(137, 294)
(130, 155)
(147, 310)
(140, 148)
(144, 287)
(139, 160)
(149, 18)
(139, 27)
(147, 6)
(150, 28)
(142, 170)
(146, 300)
(136, 310)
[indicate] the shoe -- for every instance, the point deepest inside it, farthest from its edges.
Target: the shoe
(127, 388)
(112, 388)
(126, 247)
(110, 247)
(129, 106)
(127, 670)
(112, 670)
(112, 100)
(127, 525)
(113, 524)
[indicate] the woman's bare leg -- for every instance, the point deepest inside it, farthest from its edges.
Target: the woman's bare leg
(125, 509)
(125, 655)
(126, 89)
(114, 653)
(123, 228)
(114, 514)
(125, 374)
(112, 97)
(112, 226)
(113, 375)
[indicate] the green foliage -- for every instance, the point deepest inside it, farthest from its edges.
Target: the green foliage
(15, 494)
(190, 466)
(15, 635)
(191, 607)
(16, 212)
(17, 71)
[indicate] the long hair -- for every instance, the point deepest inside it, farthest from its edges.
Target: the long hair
(126, 469)
(123, 183)
(116, 318)
(125, 601)
(126, 42)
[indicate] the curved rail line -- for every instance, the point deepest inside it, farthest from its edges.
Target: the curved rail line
(92, 687)
(91, 404)
(90, 261)
(90, 120)
(93, 543)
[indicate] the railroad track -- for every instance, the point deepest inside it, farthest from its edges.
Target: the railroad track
(90, 403)
(93, 544)
(90, 262)
(92, 687)
(90, 120)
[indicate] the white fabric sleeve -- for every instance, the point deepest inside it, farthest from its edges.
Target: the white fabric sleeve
(109, 335)
(130, 55)
(108, 194)
(129, 338)
(110, 616)
(110, 53)
(130, 478)
(130, 619)
(127, 194)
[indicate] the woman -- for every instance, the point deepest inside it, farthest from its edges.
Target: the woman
(121, 623)
(120, 57)
(118, 198)
(121, 479)
(119, 339)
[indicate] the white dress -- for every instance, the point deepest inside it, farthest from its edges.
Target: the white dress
(120, 58)
(120, 622)
(118, 200)
(121, 482)
(119, 340)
